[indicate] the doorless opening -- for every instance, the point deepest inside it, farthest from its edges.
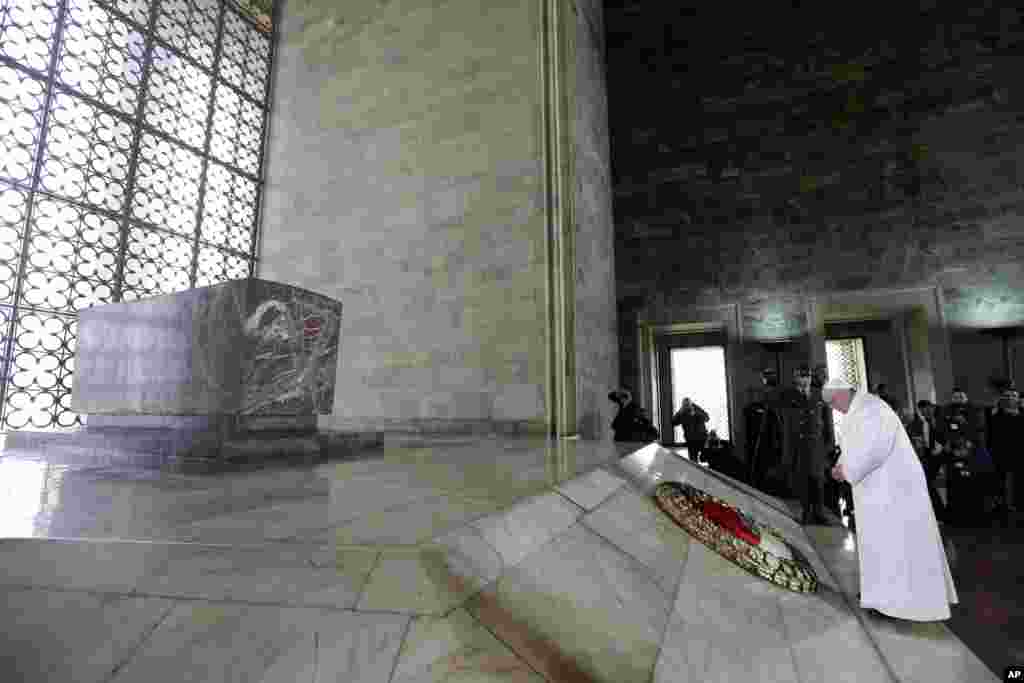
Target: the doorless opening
(699, 374)
(846, 361)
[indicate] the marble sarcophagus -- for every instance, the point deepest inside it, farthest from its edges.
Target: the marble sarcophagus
(245, 347)
(237, 370)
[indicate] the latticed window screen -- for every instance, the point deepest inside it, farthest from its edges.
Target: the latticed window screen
(131, 154)
(845, 358)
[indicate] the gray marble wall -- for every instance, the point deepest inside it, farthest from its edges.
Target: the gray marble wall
(596, 327)
(405, 179)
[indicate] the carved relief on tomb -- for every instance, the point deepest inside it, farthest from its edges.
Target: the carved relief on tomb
(294, 349)
(286, 346)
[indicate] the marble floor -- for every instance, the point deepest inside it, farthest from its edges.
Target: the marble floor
(462, 560)
(987, 570)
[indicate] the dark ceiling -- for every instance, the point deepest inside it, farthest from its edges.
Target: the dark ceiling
(708, 102)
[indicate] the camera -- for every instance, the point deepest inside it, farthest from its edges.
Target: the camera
(618, 397)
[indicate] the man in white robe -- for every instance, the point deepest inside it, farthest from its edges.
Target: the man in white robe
(903, 568)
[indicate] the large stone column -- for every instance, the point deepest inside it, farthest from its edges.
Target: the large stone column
(597, 350)
(425, 163)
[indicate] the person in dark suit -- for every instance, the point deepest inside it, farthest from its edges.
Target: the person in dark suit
(1006, 442)
(924, 435)
(631, 422)
(962, 420)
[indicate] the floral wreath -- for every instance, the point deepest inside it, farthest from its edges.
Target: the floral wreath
(756, 547)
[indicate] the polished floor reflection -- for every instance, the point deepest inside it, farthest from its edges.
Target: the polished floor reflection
(987, 569)
(464, 560)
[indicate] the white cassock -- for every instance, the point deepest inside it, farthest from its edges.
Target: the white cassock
(903, 568)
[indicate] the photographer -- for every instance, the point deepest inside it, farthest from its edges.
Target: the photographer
(693, 419)
(631, 423)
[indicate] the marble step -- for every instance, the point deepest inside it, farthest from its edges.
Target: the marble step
(585, 581)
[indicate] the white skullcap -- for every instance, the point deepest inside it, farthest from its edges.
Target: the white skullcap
(833, 386)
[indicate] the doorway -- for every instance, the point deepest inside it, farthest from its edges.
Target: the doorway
(846, 361)
(699, 373)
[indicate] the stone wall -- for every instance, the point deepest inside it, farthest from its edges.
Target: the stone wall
(816, 161)
(964, 232)
(596, 334)
(883, 353)
(977, 357)
(405, 179)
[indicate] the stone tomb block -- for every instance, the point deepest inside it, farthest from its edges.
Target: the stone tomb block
(233, 372)
(245, 348)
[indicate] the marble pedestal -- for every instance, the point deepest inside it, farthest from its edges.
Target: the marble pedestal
(236, 370)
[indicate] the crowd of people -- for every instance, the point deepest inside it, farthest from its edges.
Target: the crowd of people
(977, 451)
(974, 452)
(887, 468)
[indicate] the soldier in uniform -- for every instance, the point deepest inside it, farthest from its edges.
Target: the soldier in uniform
(806, 442)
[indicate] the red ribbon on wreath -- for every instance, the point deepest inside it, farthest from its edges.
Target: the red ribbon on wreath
(730, 520)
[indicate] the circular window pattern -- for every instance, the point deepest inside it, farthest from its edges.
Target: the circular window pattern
(140, 186)
(756, 547)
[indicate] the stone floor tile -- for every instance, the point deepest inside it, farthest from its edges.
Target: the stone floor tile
(520, 530)
(432, 578)
(591, 489)
(457, 648)
(640, 528)
(413, 523)
(277, 574)
(83, 565)
(711, 652)
(578, 610)
(207, 642)
(828, 641)
(279, 521)
(926, 651)
(70, 636)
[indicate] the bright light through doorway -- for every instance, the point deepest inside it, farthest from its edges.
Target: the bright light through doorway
(699, 374)
(845, 359)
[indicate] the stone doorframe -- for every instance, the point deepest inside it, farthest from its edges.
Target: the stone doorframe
(916, 313)
(918, 322)
(652, 335)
